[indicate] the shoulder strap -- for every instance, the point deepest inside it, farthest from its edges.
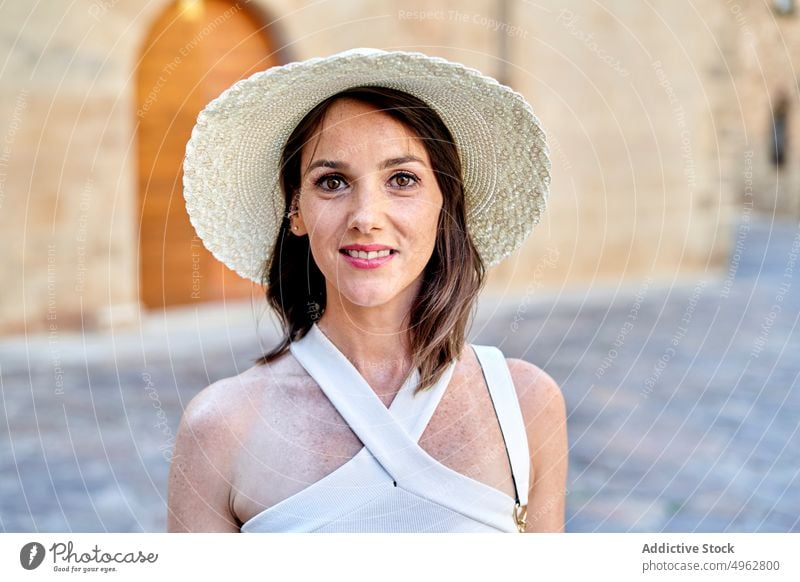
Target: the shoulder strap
(509, 415)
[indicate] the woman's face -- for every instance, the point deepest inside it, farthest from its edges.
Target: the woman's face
(369, 188)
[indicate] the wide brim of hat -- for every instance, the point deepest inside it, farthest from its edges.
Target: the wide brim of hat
(231, 179)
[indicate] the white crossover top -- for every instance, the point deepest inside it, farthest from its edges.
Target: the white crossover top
(392, 484)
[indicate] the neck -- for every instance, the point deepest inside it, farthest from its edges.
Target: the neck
(374, 339)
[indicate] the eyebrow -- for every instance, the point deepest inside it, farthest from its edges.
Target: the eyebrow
(337, 165)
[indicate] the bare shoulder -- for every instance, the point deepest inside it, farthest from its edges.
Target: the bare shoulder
(222, 406)
(211, 429)
(213, 402)
(544, 414)
(538, 393)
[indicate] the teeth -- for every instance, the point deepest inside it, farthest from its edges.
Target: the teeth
(369, 255)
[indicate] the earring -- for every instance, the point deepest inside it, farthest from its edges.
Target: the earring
(294, 210)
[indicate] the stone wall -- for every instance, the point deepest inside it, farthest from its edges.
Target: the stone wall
(769, 52)
(640, 107)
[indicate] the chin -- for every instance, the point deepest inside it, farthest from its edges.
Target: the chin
(372, 294)
(362, 299)
(375, 293)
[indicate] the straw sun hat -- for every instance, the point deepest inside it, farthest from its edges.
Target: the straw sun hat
(231, 170)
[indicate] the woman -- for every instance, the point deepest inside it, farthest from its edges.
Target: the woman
(400, 177)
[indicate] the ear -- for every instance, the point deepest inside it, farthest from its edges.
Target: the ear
(296, 223)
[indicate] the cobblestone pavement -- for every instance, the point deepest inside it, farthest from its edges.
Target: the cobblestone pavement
(683, 400)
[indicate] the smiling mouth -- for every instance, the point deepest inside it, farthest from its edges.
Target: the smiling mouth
(367, 255)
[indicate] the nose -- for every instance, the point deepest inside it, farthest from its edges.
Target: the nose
(368, 207)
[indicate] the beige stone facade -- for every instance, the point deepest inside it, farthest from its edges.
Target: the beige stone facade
(770, 56)
(656, 119)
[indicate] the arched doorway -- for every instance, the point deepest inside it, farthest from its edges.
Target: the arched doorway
(194, 50)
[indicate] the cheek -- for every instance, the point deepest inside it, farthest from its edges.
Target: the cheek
(321, 222)
(322, 238)
(431, 221)
(424, 226)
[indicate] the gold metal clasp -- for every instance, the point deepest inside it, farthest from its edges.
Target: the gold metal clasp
(520, 516)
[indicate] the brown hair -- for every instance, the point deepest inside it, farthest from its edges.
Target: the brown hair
(452, 278)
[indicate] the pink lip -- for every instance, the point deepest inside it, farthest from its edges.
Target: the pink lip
(367, 263)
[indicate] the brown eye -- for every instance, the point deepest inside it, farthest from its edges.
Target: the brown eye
(332, 183)
(404, 179)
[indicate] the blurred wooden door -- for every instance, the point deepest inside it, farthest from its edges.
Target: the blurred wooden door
(194, 50)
